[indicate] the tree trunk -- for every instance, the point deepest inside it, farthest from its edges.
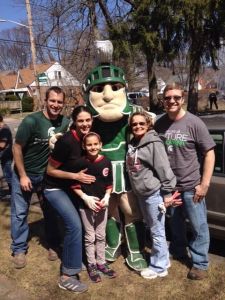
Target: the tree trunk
(193, 89)
(152, 83)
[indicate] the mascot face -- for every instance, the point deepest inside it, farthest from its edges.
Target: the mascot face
(109, 100)
(105, 93)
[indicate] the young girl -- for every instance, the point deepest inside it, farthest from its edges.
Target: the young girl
(96, 199)
(153, 181)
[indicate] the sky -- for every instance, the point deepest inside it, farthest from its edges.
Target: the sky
(14, 10)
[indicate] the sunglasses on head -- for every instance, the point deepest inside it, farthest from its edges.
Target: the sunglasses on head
(138, 123)
(176, 98)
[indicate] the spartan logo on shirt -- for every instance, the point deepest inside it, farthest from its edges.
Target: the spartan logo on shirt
(51, 132)
(105, 172)
(175, 139)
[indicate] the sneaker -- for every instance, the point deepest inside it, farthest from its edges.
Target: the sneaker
(105, 269)
(168, 265)
(150, 274)
(197, 274)
(52, 254)
(93, 273)
(19, 260)
(72, 284)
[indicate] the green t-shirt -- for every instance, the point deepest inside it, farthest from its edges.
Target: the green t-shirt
(34, 133)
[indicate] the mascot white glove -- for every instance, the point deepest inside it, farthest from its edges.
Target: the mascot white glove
(162, 208)
(105, 200)
(53, 139)
(91, 202)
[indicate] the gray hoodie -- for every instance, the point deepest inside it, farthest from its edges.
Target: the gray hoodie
(148, 166)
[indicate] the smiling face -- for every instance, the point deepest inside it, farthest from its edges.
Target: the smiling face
(109, 100)
(83, 123)
(139, 126)
(92, 145)
(173, 101)
(54, 105)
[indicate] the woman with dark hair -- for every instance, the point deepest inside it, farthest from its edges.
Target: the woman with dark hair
(62, 170)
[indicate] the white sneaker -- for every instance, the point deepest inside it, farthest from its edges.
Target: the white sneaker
(150, 274)
(168, 265)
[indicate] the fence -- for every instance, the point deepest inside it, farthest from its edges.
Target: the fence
(11, 105)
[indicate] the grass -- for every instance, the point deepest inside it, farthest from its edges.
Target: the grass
(40, 276)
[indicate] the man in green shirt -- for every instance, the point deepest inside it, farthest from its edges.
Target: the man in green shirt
(30, 152)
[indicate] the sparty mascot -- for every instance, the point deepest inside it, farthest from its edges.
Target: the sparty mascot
(105, 94)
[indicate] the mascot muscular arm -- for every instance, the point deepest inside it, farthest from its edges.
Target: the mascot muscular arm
(105, 93)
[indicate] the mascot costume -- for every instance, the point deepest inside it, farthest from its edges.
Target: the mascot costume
(105, 94)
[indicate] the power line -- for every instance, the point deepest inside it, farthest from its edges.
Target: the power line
(37, 45)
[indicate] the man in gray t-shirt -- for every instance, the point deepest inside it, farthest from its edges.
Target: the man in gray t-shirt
(190, 149)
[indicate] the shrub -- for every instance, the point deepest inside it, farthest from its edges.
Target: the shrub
(4, 111)
(27, 104)
(11, 98)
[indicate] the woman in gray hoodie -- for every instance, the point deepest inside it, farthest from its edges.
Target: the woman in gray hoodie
(153, 181)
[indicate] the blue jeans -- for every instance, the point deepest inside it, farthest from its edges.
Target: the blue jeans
(7, 171)
(156, 221)
(20, 202)
(72, 249)
(199, 241)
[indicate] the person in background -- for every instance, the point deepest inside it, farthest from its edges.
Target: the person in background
(31, 152)
(63, 168)
(153, 182)
(94, 213)
(213, 99)
(6, 155)
(190, 149)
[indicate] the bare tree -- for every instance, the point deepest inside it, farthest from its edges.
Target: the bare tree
(14, 49)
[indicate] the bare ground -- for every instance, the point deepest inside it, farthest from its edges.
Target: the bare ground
(40, 276)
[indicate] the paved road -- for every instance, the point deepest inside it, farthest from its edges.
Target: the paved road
(13, 124)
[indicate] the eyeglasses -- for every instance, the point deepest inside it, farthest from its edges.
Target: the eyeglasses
(176, 98)
(138, 123)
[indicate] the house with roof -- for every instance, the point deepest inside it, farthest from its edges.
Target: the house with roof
(22, 83)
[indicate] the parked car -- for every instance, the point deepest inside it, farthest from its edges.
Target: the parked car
(134, 96)
(138, 98)
(215, 198)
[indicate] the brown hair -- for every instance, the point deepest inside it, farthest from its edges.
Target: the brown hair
(146, 116)
(55, 89)
(173, 86)
(91, 133)
(76, 111)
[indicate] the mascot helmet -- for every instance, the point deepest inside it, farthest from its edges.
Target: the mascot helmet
(103, 74)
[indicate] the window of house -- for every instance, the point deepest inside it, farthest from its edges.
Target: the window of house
(58, 74)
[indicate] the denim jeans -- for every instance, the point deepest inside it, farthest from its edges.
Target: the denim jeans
(156, 221)
(7, 171)
(72, 248)
(199, 241)
(20, 202)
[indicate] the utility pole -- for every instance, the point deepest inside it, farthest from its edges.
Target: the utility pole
(38, 104)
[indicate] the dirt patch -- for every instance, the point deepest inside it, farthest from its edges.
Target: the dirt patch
(40, 276)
